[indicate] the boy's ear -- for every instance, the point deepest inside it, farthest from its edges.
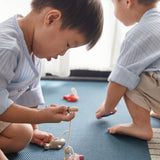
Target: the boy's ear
(129, 3)
(52, 16)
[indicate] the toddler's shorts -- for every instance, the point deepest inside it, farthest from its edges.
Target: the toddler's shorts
(147, 92)
(3, 125)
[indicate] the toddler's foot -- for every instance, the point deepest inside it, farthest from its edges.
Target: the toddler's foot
(155, 115)
(144, 133)
(76, 157)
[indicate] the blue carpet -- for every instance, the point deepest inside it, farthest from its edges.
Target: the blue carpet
(89, 136)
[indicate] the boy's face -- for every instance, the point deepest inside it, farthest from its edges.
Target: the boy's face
(123, 12)
(51, 42)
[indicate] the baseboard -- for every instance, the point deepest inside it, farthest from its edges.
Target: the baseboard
(81, 75)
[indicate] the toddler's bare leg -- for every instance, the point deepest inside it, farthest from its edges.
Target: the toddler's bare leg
(15, 137)
(140, 126)
(2, 156)
(155, 115)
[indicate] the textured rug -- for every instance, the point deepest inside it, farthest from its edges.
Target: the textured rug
(89, 136)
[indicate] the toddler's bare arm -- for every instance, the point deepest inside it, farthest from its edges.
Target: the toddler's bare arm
(51, 114)
(114, 94)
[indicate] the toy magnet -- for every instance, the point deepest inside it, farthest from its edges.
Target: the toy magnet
(56, 143)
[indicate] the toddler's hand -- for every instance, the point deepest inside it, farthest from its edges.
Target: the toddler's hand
(41, 137)
(55, 114)
(102, 112)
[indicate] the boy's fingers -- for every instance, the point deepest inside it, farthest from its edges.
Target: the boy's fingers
(58, 109)
(38, 141)
(53, 105)
(61, 109)
(48, 138)
(114, 111)
(69, 117)
(98, 115)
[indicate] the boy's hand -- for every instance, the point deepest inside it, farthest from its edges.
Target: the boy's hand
(57, 114)
(51, 114)
(41, 137)
(54, 114)
(102, 112)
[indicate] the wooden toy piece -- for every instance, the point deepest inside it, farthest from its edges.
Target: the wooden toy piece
(72, 109)
(56, 143)
(67, 152)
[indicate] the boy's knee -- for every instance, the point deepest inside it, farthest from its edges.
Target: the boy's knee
(27, 132)
(25, 136)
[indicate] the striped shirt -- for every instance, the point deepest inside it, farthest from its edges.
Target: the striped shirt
(19, 72)
(140, 51)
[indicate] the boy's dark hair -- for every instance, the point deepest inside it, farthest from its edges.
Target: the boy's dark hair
(84, 15)
(147, 2)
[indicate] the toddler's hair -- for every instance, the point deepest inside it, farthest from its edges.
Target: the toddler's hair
(147, 2)
(84, 15)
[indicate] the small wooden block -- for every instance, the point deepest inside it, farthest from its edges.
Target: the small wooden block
(72, 109)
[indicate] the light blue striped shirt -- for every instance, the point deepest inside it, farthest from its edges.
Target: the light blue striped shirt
(19, 72)
(140, 51)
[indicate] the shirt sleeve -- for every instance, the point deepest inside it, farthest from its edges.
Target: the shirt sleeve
(33, 96)
(124, 77)
(134, 59)
(8, 63)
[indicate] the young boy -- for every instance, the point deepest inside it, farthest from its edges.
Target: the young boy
(136, 74)
(48, 31)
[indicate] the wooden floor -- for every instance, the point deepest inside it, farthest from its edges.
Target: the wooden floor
(154, 145)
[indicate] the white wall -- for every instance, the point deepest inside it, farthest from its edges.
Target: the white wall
(9, 8)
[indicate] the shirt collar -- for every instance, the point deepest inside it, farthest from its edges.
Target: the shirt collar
(148, 12)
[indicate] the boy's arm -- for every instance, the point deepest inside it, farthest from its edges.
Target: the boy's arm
(40, 137)
(114, 94)
(19, 114)
(51, 114)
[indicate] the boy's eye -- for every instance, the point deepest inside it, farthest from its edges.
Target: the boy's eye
(68, 46)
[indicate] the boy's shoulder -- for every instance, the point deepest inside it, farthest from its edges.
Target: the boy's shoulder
(9, 37)
(149, 24)
(150, 15)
